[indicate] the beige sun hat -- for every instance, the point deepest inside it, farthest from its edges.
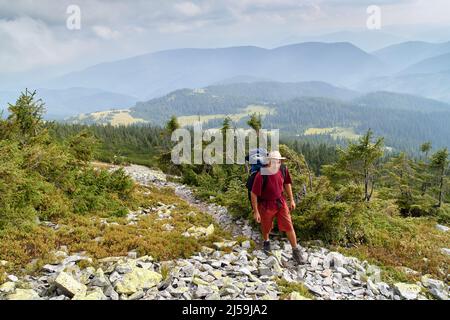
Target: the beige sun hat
(276, 155)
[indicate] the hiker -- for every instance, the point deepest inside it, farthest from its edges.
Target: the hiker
(268, 202)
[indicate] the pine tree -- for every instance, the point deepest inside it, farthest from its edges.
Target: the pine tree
(226, 125)
(172, 125)
(25, 119)
(360, 161)
(255, 122)
(440, 162)
(426, 148)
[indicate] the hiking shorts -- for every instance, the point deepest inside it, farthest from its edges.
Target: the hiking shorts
(269, 210)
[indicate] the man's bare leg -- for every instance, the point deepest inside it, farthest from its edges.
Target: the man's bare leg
(292, 238)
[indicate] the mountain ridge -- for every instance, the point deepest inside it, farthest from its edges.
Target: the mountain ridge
(155, 74)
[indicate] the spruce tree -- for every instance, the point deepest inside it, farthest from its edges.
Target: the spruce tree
(439, 163)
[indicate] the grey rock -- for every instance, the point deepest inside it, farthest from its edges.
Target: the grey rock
(202, 292)
(137, 295)
(124, 268)
(115, 276)
(111, 293)
(384, 289)
(60, 298)
(327, 281)
(438, 294)
(436, 288)
(343, 271)
(99, 279)
(264, 271)
(372, 287)
(53, 268)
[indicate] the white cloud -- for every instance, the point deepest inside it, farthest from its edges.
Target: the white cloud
(105, 32)
(188, 9)
(28, 43)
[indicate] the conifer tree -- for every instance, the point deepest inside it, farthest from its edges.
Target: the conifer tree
(25, 118)
(439, 163)
(359, 162)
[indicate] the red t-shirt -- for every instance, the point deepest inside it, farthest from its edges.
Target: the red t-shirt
(273, 189)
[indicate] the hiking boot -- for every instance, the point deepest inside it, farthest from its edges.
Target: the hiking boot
(266, 247)
(297, 255)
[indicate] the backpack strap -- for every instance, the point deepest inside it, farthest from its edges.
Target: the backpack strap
(283, 169)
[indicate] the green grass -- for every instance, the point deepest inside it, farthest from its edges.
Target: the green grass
(191, 120)
(394, 242)
(147, 237)
(335, 132)
(287, 288)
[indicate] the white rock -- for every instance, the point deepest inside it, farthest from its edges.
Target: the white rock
(372, 287)
(384, 289)
(442, 228)
(7, 287)
(437, 288)
(69, 285)
(96, 294)
(12, 278)
(24, 294)
(137, 280)
(407, 291)
(343, 271)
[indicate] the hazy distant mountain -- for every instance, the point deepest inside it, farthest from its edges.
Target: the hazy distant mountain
(270, 91)
(69, 102)
(241, 79)
(368, 40)
(403, 55)
(431, 65)
(155, 74)
(435, 85)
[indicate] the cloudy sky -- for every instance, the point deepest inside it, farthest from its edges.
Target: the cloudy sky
(34, 36)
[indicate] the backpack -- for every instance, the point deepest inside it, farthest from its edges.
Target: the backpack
(251, 180)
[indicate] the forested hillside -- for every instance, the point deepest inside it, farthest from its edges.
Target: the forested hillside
(304, 108)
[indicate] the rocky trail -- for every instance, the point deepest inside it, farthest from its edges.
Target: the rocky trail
(236, 273)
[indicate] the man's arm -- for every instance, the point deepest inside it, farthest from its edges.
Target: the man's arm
(255, 207)
(288, 189)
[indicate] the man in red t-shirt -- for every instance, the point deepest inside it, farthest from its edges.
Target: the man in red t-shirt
(268, 202)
